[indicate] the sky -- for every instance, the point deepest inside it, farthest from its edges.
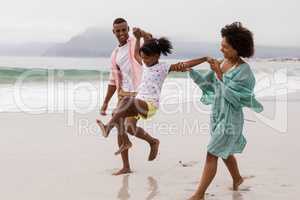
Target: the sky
(273, 22)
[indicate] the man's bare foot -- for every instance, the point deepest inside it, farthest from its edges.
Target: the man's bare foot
(103, 128)
(153, 150)
(122, 171)
(123, 147)
(237, 183)
(196, 197)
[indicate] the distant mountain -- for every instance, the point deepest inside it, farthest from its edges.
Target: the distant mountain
(96, 42)
(92, 43)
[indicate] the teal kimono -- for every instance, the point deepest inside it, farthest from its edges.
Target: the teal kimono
(228, 97)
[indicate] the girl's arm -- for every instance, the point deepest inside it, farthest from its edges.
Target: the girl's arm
(187, 65)
(138, 34)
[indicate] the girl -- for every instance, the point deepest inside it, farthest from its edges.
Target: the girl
(146, 102)
(229, 88)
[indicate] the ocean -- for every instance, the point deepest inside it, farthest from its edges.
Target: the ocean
(56, 84)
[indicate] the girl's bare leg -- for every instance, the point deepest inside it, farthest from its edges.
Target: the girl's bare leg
(133, 129)
(208, 175)
(128, 107)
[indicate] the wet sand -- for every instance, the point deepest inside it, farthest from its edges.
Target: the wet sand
(42, 157)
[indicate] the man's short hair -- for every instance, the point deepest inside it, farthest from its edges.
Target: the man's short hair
(119, 21)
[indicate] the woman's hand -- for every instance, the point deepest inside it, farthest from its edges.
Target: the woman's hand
(215, 65)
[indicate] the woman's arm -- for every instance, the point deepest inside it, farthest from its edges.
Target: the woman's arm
(187, 65)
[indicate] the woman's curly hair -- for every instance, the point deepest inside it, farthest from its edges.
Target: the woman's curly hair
(240, 38)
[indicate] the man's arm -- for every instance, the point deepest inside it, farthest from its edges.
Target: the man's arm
(111, 89)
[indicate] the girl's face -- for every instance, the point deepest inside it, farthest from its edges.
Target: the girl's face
(149, 60)
(227, 50)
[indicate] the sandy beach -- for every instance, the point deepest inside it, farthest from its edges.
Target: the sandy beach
(45, 157)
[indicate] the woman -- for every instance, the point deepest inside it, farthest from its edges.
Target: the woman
(228, 87)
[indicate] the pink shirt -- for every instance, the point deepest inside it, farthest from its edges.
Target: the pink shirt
(136, 68)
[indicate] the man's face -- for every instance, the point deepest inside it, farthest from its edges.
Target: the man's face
(121, 31)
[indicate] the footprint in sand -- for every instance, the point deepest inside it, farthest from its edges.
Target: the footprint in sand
(189, 190)
(245, 188)
(285, 185)
(187, 164)
(248, 177)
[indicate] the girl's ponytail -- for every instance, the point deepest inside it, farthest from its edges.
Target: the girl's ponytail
(157, 46)
(165, 46)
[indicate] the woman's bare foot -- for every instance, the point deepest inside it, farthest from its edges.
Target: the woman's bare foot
(122, 171)
(237, 183)
(196, 197)
(123, 147)
(153, 150)
(103, 128)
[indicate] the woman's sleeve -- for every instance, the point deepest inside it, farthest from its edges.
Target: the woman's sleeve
(238, 91)
(205, 80)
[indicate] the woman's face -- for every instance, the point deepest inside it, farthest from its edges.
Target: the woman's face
(227, 49)
(149, 60)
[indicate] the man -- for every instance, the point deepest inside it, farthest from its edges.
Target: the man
(125, 78)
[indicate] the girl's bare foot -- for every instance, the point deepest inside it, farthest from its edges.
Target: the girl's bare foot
(122, 171)
(123, 147)
(196, 197)
(237, 183)
(153, 150)
(103, 128)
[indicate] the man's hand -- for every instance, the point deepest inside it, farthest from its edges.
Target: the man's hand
(146, 35)
(103, 109)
